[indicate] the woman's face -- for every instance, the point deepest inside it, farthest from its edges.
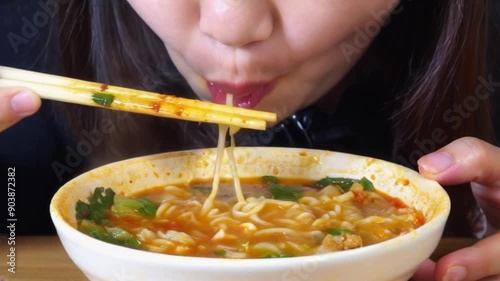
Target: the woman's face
(272, 55)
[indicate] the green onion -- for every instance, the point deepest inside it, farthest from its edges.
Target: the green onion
(274, 256)
(346, 183)
(220, 253)
(286, 193)
(125, 205)
(88, 226)
(271, 179)
(122, 237)
(103, 99)
(338, 231)
(112, 235)
(202, 189)
(367, 184)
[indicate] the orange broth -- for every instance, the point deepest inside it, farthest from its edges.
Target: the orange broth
(295, 228)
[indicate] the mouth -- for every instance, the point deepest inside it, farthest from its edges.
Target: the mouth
(244, 95)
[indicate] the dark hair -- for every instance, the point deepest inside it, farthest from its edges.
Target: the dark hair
(431, 57)
(445, 63)
(108, 42)
(438, 53)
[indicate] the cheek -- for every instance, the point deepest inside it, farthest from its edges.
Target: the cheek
(171, 20)
(332, 22)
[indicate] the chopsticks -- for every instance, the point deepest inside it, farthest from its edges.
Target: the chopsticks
(82, 92)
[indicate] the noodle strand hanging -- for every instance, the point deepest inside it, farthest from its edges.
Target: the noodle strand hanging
(221, 146)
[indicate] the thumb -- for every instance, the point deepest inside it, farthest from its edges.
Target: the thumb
(472, 263)
(469, 160)
(464, 160)
(16, 104)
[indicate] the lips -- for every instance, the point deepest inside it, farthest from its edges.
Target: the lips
(244, 95)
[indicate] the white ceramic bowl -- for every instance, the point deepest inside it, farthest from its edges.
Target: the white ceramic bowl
(395, 259)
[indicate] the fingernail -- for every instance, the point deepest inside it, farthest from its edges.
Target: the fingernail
(24, 103)
(455, 273)
(435, 163)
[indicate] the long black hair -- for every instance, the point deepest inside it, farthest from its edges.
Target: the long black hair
(107, 41)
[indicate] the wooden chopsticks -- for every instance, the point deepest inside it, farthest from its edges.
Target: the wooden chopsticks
(76, 91)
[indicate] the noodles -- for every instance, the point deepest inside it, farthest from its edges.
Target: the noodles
(230, 154)
(262, 226)
(234, 170)
(223, 129)
(218, 162)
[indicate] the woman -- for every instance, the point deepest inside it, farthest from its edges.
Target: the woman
(338, 74)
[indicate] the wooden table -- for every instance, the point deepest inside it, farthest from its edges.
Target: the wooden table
(42, 258)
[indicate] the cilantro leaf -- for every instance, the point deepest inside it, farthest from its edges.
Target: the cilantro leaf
(97, 207)
(82, 210)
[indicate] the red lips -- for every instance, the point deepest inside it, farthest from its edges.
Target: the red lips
(244, 95)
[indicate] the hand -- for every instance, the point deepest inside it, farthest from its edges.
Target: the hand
(468, 160)
(16, 103)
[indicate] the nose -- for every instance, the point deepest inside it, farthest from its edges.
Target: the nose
(236, 23)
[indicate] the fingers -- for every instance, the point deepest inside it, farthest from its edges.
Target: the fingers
(464, 160)
(425, 272)
(15, 104)
(478, 262)
(469, 160)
